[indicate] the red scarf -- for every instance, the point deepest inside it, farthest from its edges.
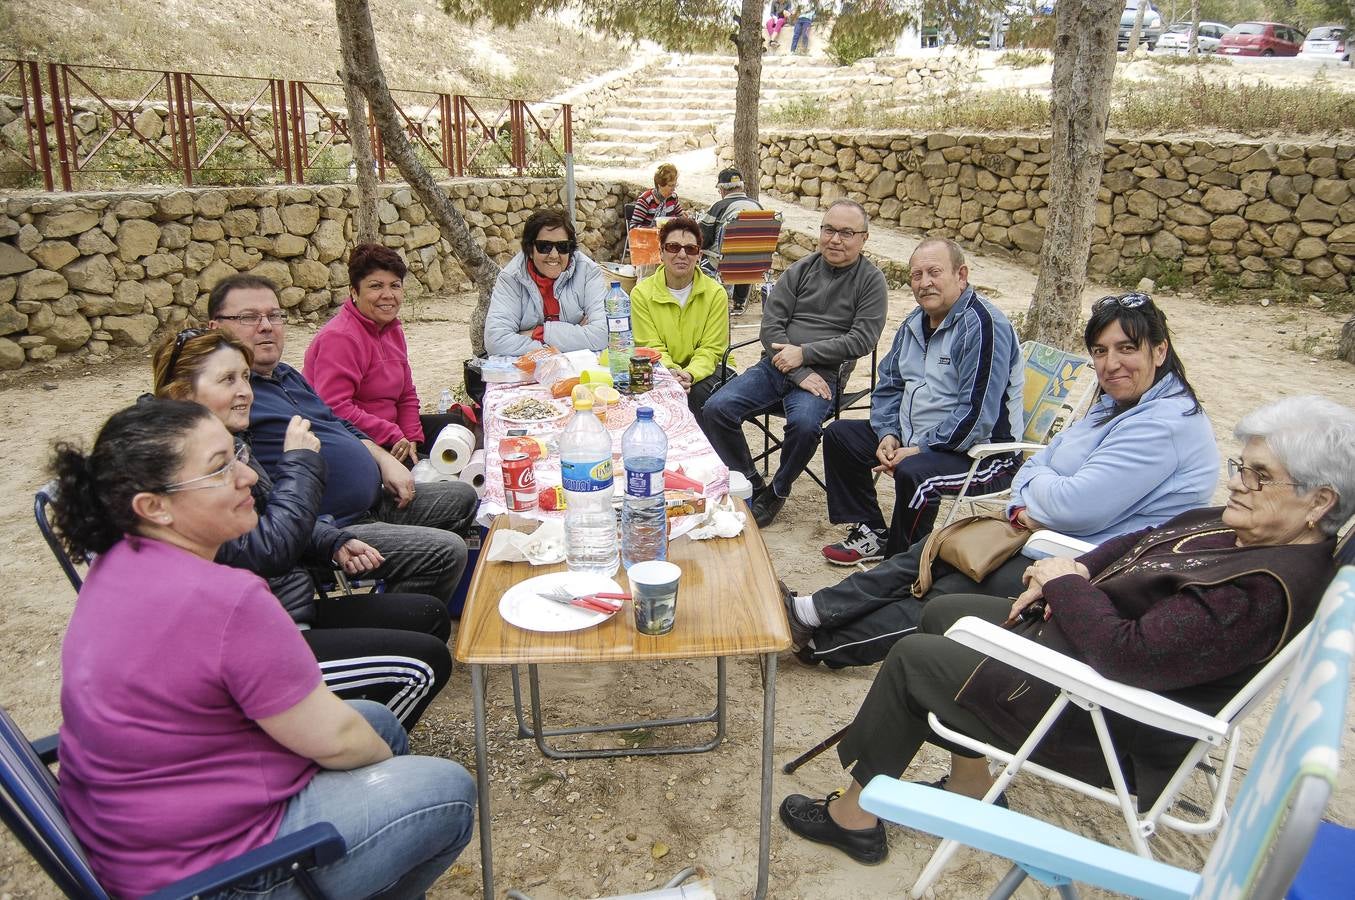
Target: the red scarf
(549, 305)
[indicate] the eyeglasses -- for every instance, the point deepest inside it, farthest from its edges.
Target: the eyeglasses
(252, 320)
(1128, 301)
(180, 339)
(829, 232)
(564, 248)
(1253, 480)
(675, 248)
(220, 478)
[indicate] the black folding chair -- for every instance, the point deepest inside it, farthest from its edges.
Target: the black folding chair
(845, 401)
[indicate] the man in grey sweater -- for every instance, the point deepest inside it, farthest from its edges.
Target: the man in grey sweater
(826, 310)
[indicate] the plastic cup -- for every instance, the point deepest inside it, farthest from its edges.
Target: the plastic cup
(605, 397)
(653, 592)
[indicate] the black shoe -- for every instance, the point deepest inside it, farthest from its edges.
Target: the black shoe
(809, 819)
(941, 785)
(800, 633)
(765, 507)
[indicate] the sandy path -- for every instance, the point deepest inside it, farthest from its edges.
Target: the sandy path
(587, 828)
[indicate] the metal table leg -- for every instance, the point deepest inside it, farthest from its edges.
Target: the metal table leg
(539, 733)
(764, 840)
(477, 689)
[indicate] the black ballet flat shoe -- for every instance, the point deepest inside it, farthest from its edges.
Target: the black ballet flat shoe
(809, 819)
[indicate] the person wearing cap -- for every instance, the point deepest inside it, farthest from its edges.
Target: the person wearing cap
(733, 200)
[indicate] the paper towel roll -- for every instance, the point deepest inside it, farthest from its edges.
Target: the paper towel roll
(474, 473)
(452, 450)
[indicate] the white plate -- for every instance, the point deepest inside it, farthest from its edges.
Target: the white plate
(514, 420)
(521, 606)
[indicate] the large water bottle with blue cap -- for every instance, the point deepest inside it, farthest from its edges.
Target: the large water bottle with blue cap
(620, 341)
(644, 514)
(586, 475)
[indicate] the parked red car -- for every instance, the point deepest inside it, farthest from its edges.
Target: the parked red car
(1261, 39)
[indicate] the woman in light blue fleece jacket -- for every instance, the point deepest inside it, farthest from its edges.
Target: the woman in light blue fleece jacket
(1144, 453)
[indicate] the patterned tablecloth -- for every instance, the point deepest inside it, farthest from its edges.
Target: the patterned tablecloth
(687, 444)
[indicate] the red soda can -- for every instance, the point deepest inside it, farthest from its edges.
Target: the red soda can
(519, 482)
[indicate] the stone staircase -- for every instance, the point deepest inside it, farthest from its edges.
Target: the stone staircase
(679, 106)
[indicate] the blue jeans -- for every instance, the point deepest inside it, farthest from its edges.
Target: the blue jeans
(801, 32)
(763, 389)
(404, 820)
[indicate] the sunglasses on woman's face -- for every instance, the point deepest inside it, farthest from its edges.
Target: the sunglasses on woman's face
(675, 248)
(564, 248)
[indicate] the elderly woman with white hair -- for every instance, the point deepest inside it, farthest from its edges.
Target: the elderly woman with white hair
(1191, 609)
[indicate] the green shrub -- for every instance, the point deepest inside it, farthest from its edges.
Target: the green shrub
(860, 34)
(1023, 59)
(1178, 103)
(1180, 59)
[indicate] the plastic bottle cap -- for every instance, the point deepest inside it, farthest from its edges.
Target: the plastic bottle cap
(616, 284)
(645, 413)
(582, 397)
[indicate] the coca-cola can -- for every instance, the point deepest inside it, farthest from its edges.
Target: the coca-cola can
(519, 482)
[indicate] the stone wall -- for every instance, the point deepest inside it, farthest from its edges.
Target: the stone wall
(1249, 210)
(82, 272)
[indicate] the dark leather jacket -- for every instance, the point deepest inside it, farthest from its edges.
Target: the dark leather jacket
(289, 535)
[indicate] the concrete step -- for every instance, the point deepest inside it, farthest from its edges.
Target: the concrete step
(650, 135)
(646, 113)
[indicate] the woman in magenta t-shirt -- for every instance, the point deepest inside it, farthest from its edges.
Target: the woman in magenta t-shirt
(196, 726)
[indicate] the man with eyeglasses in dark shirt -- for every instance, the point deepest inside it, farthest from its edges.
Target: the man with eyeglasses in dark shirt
(368, 492)
(826, 310)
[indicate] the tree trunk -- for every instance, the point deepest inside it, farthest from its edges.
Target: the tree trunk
(747, 145)
(1135, 31)
(1346, 348)
(359, 138)
(1084, 63)
(371, 81)
(1194, 28)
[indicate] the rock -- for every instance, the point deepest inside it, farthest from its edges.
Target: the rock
(174, 236)
(158, 264)
(40, 284)
(207, 230)
(286, 245)
(133, 209)
(329, 241)
(215, 271)
(11, 354)
(136, 238)
(41, 353)
(659, 850)
(12, 262)
(95, 241)
(198, 255)
(131, 331)
(28, 238)
(149, 125)
(270, 222)
(1309, 248)
(67, 224)
(91, 273)
(1223, 200)
(240, 222)
(1026, 236)
(1167, 246)
(422, 236)
(95, 304)
(54, 254)
(302, 218)
(1331, 191)
(274, 270)
(1313, 209)
(211, 204)
(1228, 228)
(174, 206)
(129, 298)
(309, 273)
(1146, 286)
(68, 332)
(1267, 212)
(1263, 158)
(11, 320)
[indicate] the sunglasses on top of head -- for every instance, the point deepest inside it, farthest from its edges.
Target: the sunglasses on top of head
(1128, 301)
(564, 248)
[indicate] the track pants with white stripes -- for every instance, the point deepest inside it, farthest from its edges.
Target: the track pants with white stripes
(919, 482)
(866, 613)
(389, 648)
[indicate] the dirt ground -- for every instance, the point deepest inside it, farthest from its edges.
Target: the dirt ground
(592, 828)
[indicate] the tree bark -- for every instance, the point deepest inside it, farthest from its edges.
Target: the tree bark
(747, 145)
(359, 138)
(1136, 30)
(1194, 28)
(1084, 63)
(1346, 348)
(371, 81)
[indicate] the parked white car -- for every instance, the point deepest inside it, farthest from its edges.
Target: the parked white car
(1176, 39)
(1327, 43)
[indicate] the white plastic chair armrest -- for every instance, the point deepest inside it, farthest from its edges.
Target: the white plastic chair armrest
(1040, 845)
(982, 451)
(1045, 543)
(1081, 681)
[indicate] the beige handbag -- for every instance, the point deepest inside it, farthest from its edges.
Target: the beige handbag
(975, 546)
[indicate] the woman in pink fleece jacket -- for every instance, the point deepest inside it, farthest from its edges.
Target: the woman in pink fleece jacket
(359, 363)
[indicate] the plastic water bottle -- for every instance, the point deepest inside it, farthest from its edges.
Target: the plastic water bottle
(644, 518)
(444, 401)
(586, 474)
(620, 342)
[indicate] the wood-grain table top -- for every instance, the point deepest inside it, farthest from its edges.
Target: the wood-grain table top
(728, 604)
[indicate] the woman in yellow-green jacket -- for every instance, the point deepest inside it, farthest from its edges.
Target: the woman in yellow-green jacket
(683, 313)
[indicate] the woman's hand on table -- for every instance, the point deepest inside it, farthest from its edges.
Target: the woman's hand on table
(684, 378)
(356, 557)
(406, 451)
